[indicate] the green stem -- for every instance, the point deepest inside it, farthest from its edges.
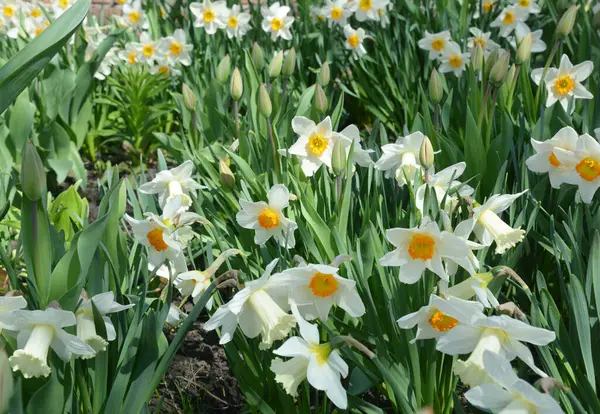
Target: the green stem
(273, 146)
(85, 396)
(545, 72)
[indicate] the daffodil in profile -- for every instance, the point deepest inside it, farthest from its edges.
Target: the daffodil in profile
(564, 83)
(276, 21)
(86, 329)
(319, 363)
(507, 393)
(546, 161)
(475, 285)
(256, 313)
(8, 306)
(423, 247)
(522, 30)
(351, 136)
(267, 219)
(445, 185)
(435, 43)
(38, 331)
(584, 166)
(195, 282)
(400, 159)
(489, 227)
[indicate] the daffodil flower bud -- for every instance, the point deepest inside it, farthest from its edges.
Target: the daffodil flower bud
(276, 65)
(264, 101)
(226, 175)
(320, 102)
(566, 22)
(33, 174)
(426, 156)
(236, 86)
(477, 58)
(289, 63)
(338, 158)
(324, 74)
(436, 90)
(189, 98)
(491, 61)
(224, 69)
(524, 49)
(499, 70)
(258, 57)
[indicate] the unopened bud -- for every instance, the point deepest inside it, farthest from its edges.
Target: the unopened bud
(6, 381)
(524, 49)
(324, 74)
(426, 156)
(566, 22)
(224, 69)
(226, 175)
(236, 85)
(258, 57)
(289, 63)
(477, 58)
(33, 174)
(264, 101)
(491, 61)
(338, 158)
(276, 65)
(320, 100)
(436, 90)
(498, 72)
(189, 98)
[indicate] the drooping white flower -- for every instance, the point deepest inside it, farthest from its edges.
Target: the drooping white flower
(209, 15)
(368, 9)
(431, 322)
(176, 49)
(315, 288)
(435, 43)
(255, 311)
(276, 21)
(86, 328)
(564, 83)
(584, 166)
(195, 282)
(38, 331)
(489, 227)
(384, 15)
(445, 184)
(351, 135)
(267, 219)
(174, 315)
(507, 393)
(421, 248)
(453, 59)
(238, 22)
(337, 12)
(354, 41)
(315, 143)
(8, 306)
(323, 367)
(521, 31)
(546, 161)
(400, 159)
(174, 188)
(482, 39)
(508, 19)
(476, 285)
(463, 231)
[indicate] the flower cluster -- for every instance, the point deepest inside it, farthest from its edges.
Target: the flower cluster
(34, 19)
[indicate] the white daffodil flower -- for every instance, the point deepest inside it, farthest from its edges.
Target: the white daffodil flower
(384, 15)
(276, 21)
(86, 329)
(238, 22)
(454, 60)
(9, 19)
(38, 331)
(508, 393)
(147, 50)
(482, 39)
(508, 19)
(315, 288)
(528, 6)
(174, 315)
(489, 227)
(546, 161)
(175, 48)
(164, 67)
(105, 69)
(354, 41)
(499, 334)
(195, 282)
(445, 184)
(476, 285)
(584, 163)
(564, 83)
(322, 369)
(174, 188)
(337, 12)
(61, 6)
(267, 219)
(521, 31)
(8, 306)
(421, 248)
(255, 311)
(400, 159)
(368, 9)
(435, 43)
(360, 156)
(133, 16)
(209, 15)
(431, 322)
(486, 7)
(314, 146)
(130, 54)
(463, 231)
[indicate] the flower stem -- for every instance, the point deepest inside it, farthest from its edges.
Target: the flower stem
(545, 72)
(273, 146)
(236, 115)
